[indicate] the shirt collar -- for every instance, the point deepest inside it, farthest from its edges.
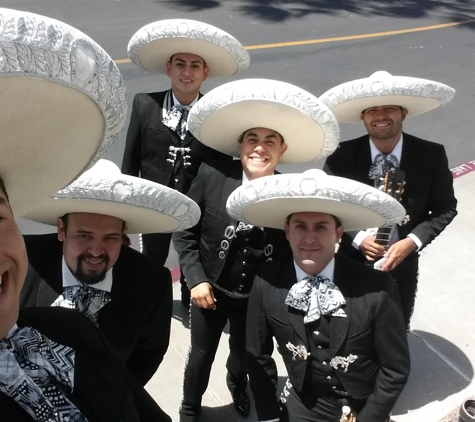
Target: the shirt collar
(245, 179)
(397, 150)
(326, 272)
(70, 280)
(176, 102)
(12, 331)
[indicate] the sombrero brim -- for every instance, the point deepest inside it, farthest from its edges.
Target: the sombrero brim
(145, 206)
(62, 102)
(268, 201)
(349, 99)
(308, 127)
(152, 46)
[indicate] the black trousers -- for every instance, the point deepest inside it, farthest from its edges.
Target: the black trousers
(206, 328)
(406, 276)
(327, 408)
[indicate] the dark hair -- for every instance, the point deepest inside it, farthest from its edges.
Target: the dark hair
(3, 188)
(241, 136)
(173, 55)
(337, 220)
(65, 217)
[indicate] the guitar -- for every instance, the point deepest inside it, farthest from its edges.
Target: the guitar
(393, 184)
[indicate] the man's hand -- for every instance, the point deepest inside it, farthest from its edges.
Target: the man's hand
(397, 252)
(370, 249)
(202, 296)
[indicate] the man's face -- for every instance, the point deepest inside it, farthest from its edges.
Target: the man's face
(260, 151)
(91, 244)
(187, 72)
(312, 237)
(383, 122)
(13, 267)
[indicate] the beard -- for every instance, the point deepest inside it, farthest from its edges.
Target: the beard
(91, 277)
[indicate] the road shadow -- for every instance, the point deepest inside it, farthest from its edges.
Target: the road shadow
(282, 10)
(439, 369)
(180, 313)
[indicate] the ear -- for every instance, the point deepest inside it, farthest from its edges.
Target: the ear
(60, 226)
(286, 229)
(403, 113)
(283, 148)
(339, 233)
(169, 66)
(206, 72)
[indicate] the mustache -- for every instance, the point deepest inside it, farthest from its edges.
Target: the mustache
(89, 256)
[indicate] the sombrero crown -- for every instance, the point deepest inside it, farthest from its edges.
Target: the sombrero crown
(63, 104)
(145, 206)
(268, 201)
(349, 99)
(152, 46)
(307, 125)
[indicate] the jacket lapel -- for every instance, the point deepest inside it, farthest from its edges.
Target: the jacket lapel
(339, 325)
(295, 316)
(233, 181)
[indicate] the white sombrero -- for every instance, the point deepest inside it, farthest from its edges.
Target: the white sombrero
(62, 104)
(267, 201)
(152, 46)
(348, 100)
(307, 125)
(145, 206)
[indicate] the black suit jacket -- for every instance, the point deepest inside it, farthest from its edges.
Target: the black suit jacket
(428, 195)
(373, 330)
(137, 319)
(104, 390)
(148, 142)
(200, 248)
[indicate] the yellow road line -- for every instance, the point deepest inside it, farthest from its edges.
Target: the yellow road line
(347, 38)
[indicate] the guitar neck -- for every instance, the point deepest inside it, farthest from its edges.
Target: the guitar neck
(382, 236)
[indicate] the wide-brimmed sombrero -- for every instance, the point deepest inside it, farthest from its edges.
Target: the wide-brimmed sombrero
(416, 95)
(268, 201)
(145, 206)
(152, 46)
(307, 125)
(62, 104)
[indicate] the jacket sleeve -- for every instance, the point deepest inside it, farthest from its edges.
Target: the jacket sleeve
(261, 366)
(442, 203)
(133, 143)
(153, 344)
(392, 350)
(187, 242)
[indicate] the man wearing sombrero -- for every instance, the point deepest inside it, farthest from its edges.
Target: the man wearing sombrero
(382, 102)
(262, 122)
(84, 265)
(337, 322)
(54, 363)
(158, 145)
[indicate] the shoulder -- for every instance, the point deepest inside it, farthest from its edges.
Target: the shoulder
(140, 264)
(150, 97)
(222, 168)
(422, 144)
(42, 244)
(349, 148)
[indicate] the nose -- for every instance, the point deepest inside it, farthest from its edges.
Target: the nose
(96, 248)
(259, 148)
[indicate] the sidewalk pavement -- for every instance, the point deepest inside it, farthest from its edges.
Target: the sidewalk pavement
(442, 338)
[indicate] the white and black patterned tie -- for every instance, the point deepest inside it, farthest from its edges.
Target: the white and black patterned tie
(316, 296)
(178, 116)
(37, 373)
(85, 299)
(382, 163)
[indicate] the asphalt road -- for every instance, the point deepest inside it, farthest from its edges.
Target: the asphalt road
(408, 37)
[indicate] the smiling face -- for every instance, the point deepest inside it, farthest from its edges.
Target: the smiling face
(91, 244)
(13, 266)
(384, 123)
(312, 237)
(260, 150)
(187, 72)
